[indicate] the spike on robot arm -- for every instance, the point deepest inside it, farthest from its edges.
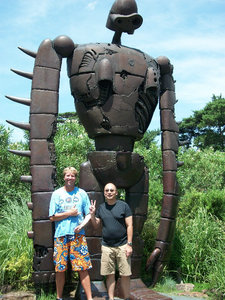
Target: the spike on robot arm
(170, 144)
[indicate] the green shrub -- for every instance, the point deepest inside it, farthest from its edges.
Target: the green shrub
(202, 170)
(212, 200)
(71, 145)
(11, 168)
(18, 271)
(153, 159)
(15, 248)
(202, 249)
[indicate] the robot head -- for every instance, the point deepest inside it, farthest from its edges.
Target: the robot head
(123, 17)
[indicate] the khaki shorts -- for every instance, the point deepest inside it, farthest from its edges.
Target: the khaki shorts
(112, 256)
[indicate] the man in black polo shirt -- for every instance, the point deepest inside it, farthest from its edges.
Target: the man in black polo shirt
(117, 233)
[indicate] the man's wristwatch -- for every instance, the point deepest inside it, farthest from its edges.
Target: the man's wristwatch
(130, 244)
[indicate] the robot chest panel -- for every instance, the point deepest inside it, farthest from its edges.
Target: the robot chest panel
(97, 67)
(113, 59)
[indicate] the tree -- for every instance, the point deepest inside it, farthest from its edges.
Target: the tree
(206, 127)
(11, 168)
(71, 144)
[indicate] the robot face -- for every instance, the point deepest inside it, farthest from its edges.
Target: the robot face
(123, 17)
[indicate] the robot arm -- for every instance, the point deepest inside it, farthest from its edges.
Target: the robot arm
(43, 104)
(170, 143)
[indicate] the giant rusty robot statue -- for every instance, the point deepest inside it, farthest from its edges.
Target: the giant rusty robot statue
(116, 90)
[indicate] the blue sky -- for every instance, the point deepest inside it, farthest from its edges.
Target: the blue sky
(191, 33)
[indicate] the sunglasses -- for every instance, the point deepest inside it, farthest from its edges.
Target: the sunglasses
(109, 190)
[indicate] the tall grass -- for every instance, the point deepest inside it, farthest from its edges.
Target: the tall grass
(15, 247)
(202, 242)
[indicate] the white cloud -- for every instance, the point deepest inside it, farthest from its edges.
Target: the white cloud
(92, 5)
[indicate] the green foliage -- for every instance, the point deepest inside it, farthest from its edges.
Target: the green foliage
(213, 201)
(46, 296)
(72, 145)
(200, 218)
(15, 248)
(4, 142)
(202, 170)
(12, 167)
(17, 271)
(206, 127)
(150, 230)
(153, 159)
(202, 181)
(166, 285)
(202, 249)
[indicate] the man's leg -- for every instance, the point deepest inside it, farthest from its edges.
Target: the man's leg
(60, 281)
(86, 283)
(108, 260)
(60, 260)
(124, 265)
(125, 286)
(110, 283)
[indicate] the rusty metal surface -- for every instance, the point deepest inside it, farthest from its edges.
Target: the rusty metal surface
(41, 152)
(40, 205)
(169, 207)
(44, 101)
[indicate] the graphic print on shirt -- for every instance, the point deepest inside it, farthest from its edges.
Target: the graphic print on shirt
(69, 202)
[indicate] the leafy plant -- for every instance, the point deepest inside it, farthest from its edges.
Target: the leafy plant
(15, 248)
(153, 159)
(12, 167)
(72, 145)
(212, 200)
(202, 170)
(202, 253)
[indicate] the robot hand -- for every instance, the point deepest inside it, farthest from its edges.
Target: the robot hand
(154, 264)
